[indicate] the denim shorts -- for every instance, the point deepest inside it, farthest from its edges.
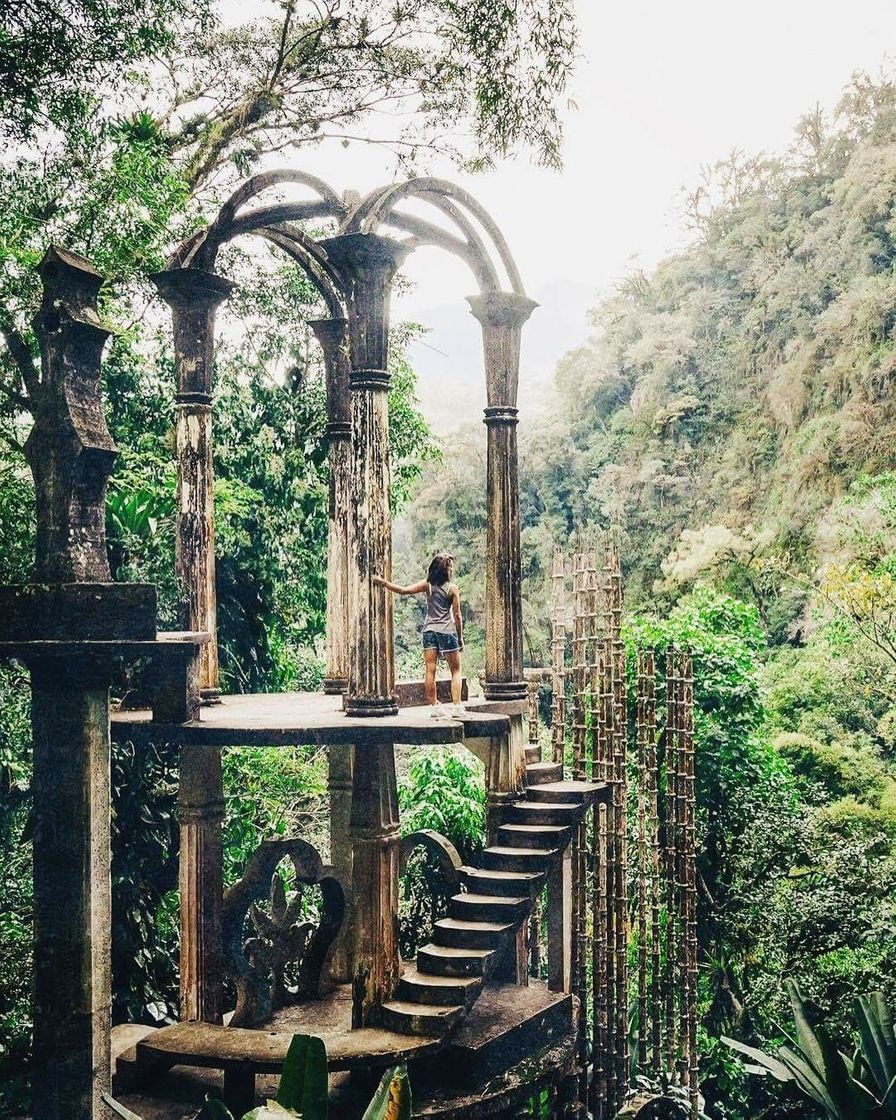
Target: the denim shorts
(444, 643)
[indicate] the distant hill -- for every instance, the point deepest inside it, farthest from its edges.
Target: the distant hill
(724, 403)
(448, 358)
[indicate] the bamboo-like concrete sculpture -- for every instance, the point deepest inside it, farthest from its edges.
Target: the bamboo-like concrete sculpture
(658, 820)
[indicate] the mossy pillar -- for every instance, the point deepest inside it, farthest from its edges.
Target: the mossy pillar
(332, 334)
(366, 264)
(375, 859)
(71, 454)
(194, 297)
(502, 315)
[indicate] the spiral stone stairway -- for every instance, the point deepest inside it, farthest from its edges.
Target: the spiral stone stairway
(483, 920)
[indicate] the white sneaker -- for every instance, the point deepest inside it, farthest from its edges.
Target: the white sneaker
(457, 710)
(439, 711)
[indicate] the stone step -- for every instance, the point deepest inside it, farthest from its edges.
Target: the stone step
(488, 908)
(550, 837)
(445, 960)
(516, 884)
(419, 1018)
(461, 934)
(539, 772)
(573, 793)
(548, 812)
(504, 858)
(427, 987)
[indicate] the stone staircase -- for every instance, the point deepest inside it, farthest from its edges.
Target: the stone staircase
(483, 920)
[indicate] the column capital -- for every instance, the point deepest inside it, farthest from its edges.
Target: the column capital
(356, 256)
(501, 309)
(183, 288)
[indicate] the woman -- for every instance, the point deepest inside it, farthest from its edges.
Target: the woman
(442, 627)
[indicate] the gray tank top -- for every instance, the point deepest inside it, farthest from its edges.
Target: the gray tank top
(439, 616)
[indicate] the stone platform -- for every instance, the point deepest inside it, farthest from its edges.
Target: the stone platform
(307, 719)
(514, 1040)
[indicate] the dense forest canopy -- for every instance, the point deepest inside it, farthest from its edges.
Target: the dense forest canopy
(731, 420)
(129, 124)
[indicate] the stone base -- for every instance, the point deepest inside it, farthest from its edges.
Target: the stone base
(367, 707)
(335, 686)
(506, 690)
(514, 1042)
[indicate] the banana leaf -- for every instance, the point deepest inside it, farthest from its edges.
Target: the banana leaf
(392, 1100)
(304, 1084)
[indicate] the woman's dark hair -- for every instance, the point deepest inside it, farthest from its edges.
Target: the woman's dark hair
(438, 569)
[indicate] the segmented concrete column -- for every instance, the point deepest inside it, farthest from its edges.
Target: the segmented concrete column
(502, 315)
(200, 814)
(194, 297)
(366, 264)
(375, 845)
(332, 334)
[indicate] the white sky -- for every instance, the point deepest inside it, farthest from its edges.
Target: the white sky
(662, 88)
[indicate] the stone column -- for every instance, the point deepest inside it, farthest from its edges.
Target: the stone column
(502, 315)
(333, 338)
(72, 887)
(375, 844)
(194, 297)
(200, 813)
(332, 334)
(366, 264)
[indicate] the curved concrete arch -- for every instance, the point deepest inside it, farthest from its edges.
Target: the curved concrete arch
(377, 207)
(305, 252)
(202, 249)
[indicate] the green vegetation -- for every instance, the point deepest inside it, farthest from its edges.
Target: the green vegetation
(134, 122)
(732, 418)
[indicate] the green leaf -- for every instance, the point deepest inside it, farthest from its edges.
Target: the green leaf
(214, 1109)
(768, 1061)
(392, 1100)
(304, 1084)
(120, 1109)
(878, 1046)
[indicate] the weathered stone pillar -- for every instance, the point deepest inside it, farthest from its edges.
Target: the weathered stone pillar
(332, 335)
(200, 813)
(502, 315)
(366, 264)
(72, 888)
(194, 297)
(375, 843)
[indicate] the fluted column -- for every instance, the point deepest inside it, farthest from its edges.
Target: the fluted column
(194, 297)
(200, 813)
(375, 845)
(366, 264)
(501, 315)
(332, 334)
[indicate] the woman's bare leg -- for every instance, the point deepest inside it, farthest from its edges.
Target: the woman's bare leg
(431, 661)
(457, 677)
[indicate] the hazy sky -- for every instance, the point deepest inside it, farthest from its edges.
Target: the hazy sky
(661, 89)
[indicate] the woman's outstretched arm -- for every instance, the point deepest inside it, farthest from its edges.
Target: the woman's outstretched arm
(458, 617)
(396, 589)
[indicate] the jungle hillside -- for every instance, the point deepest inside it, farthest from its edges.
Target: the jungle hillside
(729, 420)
